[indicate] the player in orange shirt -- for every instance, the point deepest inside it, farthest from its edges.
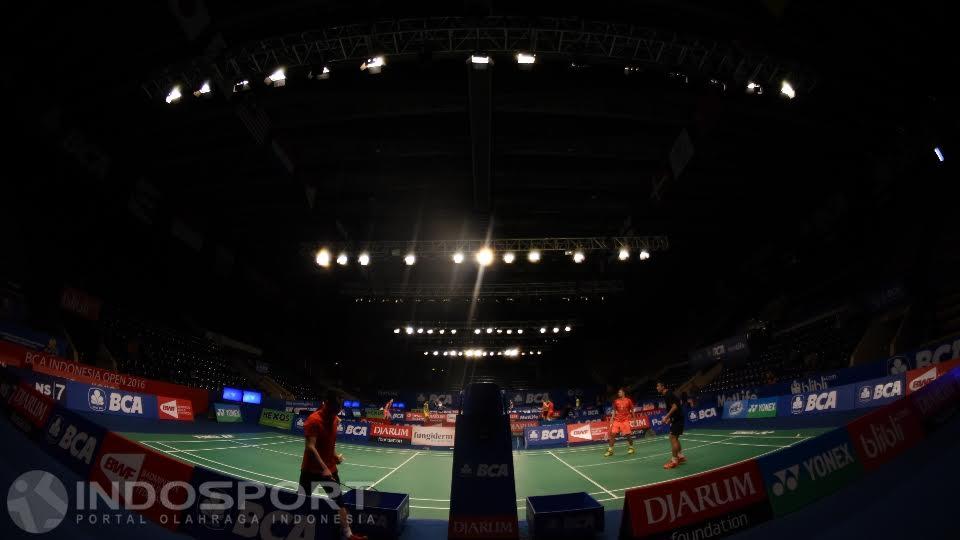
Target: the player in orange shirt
(620, 421)
(388, 412)
(546, 409)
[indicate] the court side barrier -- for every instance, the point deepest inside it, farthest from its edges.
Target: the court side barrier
(725, 501)
(18, 356)
(111, 461)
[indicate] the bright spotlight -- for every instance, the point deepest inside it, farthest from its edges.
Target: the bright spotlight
(408, 330)
(396, 330)
(479, 59)
(436, 353)
(430, 331)
(520, 331)
(509, 331)
(241, 86)
(373, 65)
(566, 328)
(469, 353)
(458, 257)
(489, 330)
(538, 353)
(644, 255)
(203, 90)
(939, 153)
(278, 78)
(323, 75)
(459, 353)
(624, 254)
(787, 89)
(509, 257)
(485, 257)
(555, 329)
(323, 258)
(578, 257)
(174, 95)
(533, 256)
(419, 330)
(410, 259)
(499, 330)
(477, 331)
(754, 88)
(526, 58)
(543, 329)
(342, 259)
(442, 331)
(364, 259)
(485, 353)
(454, 331)
(445, 353)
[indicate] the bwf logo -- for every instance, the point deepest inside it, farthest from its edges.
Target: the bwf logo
(170, 409)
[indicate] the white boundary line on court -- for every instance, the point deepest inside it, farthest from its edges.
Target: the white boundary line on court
(608, 492)
(641, 458)
(233, 467)
(395, 469)
(219, 439)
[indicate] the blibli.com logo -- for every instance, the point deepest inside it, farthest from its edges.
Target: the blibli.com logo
(736, 408)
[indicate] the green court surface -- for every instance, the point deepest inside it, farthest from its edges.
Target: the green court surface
(425, 475)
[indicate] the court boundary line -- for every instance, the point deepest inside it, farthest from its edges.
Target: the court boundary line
(591, 480)
(395, 469)
(641, 458)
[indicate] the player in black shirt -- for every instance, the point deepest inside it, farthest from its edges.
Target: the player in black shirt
(674, 418)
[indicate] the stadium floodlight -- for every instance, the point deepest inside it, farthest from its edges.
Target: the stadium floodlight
(410, 259)
(459, 353)
(555, 329)
(485, 257)
(323, 258)
(499, 353)
(543, 329)
(787, 89)
(342, 259)
(396, 330)
(174, 95)
(539, 353)
(754, 88)
(454, 331)
(458, 257)
(624, 254)
(469, 353)
(408, 330)
(204, 89)
(578, 256)
(644, 255)
(520, 331)
(509, 330)
(499, 330)
(509, 257)
(445, 353)
(322, 76)
(533, 256)
(480, 62)
(939, 153)
(419, 330)
(241, 86)
(430, 331)
(567, 328)
(425, 353)
(477, 331)
(442, 331)
(489, 330)
(364, 259)
(485, 353)
(526, 59)
(436, 353)
(278, 78)
(373, 65)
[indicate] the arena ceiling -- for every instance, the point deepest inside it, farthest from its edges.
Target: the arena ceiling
(633, 121)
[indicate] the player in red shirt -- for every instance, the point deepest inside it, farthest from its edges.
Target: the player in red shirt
(388, 412)
(320, 458)
(620, 421)
(546, 410)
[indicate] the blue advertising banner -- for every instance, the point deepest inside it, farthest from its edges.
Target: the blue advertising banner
(353, 431)
(835, 399)
(822, 381)
(703, 416)
(542, 436)
(880, 391)
(735, 409)
(298, 422)
(657, 425)
(53, 387)
(72, 440)
(98, 399)
(928, 355)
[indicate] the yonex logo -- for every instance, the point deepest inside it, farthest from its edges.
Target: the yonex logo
(37, 502)
(787, 480)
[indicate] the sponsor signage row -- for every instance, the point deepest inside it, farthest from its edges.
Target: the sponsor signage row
(227, 413)
(276, 419)
(106, 400)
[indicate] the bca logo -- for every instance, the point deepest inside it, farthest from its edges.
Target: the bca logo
(864, 394)
(693, 416)
(300, 422)
(359, 431)
(787, 480)
(797, 405)
(79, 444)
(821, 402)
(550, 434)
(96, 400)
(703, 414)
(492, 470)
(126, 404)
(534, 435)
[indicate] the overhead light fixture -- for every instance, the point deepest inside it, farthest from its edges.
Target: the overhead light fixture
(241, 86)
(526, 59)
(436, 353)
(477, 331)
(410, 259)
(939, 153)
(323, 75)
(578, 256)
(567, 328)
(555, 329)
(408, 330)
(787, 90)
(543, 329)
(533, 256)
(459, 353)
(364, 259)
(373, 65)
(396, 330)
(278, 78)
(445, 353)
(509, 257)
(442, 331)
(520, 331)
(485, 257)
(538, 353)
(489, 330)
(480, 62)
(624, 254)
(430, 331)
(425, 353)
(754, 88)
(644, 255)
(458, 257)
(509, 330)
(174, 95)
(419, 330)
(204, 89)
(342, 259)
(454, 331)
(499, 330)
(323, 258)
